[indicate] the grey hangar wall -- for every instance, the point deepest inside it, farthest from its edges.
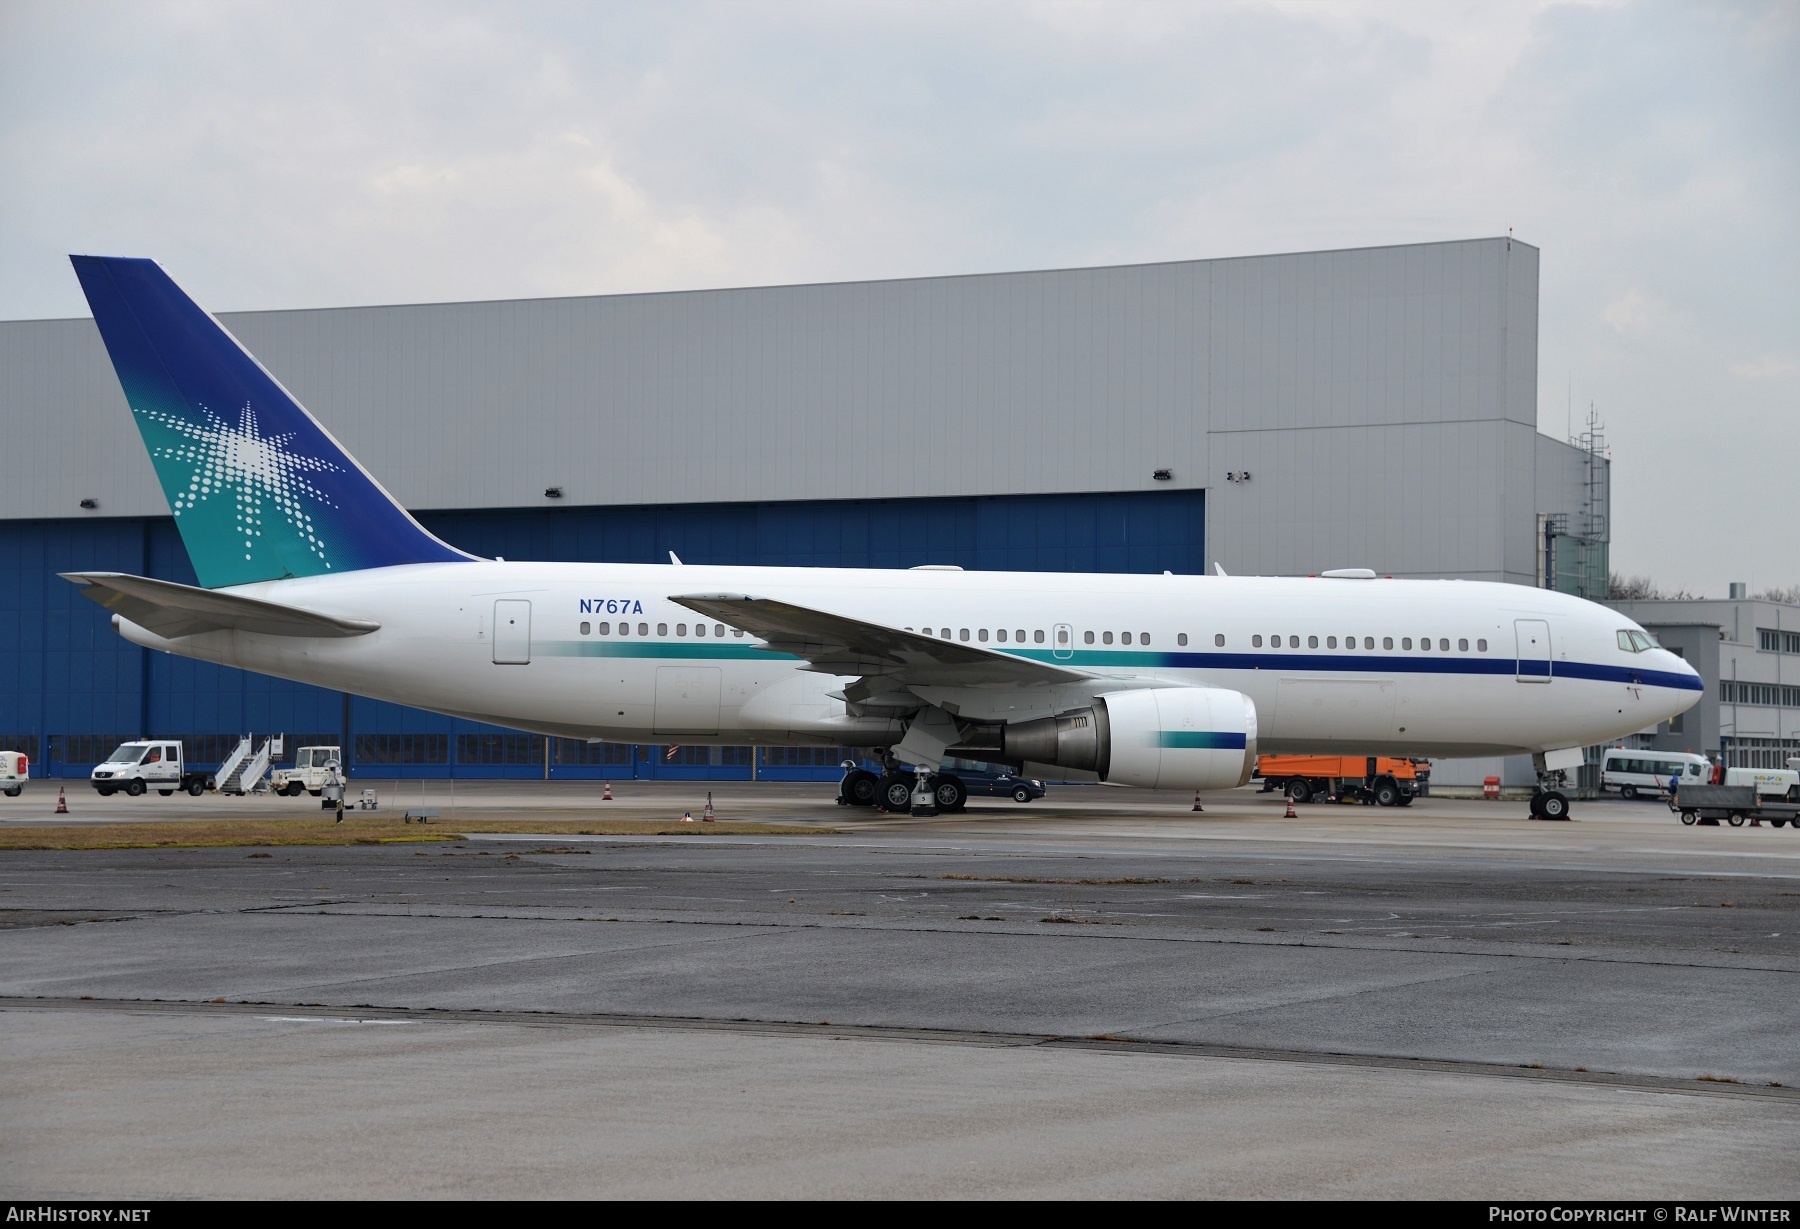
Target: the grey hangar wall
(1382, 402)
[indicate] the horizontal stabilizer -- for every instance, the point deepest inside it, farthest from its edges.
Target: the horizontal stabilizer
(172, 611)
(837, 644)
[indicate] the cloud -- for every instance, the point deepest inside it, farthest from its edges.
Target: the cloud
(1767, 369)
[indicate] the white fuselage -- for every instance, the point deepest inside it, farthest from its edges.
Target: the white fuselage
(570, 669)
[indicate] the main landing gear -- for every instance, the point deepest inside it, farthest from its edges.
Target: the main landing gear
(897, 789)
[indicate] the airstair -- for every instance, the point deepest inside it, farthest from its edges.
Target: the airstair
(254, 776)
(225, 779)
(244, 772)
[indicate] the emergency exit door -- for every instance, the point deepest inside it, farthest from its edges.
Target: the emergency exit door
(512, 632)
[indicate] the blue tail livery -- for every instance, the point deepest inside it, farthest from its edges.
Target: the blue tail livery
(260, 491)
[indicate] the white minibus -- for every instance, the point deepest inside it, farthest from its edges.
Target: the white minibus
(1648, 772)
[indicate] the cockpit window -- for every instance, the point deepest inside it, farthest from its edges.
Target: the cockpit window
(1634, 641)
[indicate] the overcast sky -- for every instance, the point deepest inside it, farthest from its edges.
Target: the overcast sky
(321, 154)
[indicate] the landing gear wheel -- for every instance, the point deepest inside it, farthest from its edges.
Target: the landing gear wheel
(949, 791)
(1688, 817)
(135, 789)
(894, 792)
(857, 789)
(1552, 805)
(1019, 795)
(195, 789)
(1387, 794)
(1300, 790)
(1628, 793)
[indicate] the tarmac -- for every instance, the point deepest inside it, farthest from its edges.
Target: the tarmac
(1102, 994)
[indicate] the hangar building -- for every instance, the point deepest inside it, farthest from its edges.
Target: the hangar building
(1271, 414)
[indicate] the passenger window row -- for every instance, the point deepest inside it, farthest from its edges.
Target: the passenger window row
(1368, 643)
(662, 629)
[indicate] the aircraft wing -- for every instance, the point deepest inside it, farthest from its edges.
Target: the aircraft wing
(837, 644)
(172, 611)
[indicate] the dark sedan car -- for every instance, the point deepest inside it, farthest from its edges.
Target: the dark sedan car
(989, 783)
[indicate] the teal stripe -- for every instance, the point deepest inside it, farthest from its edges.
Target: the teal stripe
(657, 649)
(1200, 740)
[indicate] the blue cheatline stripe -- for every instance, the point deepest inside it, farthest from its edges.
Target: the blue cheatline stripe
(1200, 740)
(1152, 660)
(1346, 664)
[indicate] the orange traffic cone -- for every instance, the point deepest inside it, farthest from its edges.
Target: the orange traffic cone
(687, 817)
(1290, 811)
(606, 795)
(707, 814)
(62, 802)
(1197, 805)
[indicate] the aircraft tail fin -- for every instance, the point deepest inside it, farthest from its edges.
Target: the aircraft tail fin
(260, 491)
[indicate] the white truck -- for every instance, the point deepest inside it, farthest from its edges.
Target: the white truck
(153, 764)
(310, 771)
(15, 770)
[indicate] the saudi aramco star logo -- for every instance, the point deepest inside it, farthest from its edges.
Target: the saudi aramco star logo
(256, 470)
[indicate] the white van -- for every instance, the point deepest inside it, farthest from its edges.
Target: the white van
(15, 770)
(1648, 772)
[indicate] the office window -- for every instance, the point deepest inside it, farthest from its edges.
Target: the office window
(1768, 640)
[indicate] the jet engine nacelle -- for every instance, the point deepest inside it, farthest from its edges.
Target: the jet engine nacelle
(1157, 738)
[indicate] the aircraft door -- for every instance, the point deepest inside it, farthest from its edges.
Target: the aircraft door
(1534, 650)
(1064, 642)
(512, 632)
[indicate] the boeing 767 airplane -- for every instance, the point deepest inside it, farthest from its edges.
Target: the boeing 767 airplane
(309, 570)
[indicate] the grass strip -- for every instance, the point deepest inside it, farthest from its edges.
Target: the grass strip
(212, 834)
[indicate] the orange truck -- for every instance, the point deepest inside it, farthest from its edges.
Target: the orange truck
(1379, 780)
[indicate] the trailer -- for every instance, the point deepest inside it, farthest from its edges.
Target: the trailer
(1708, 804)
